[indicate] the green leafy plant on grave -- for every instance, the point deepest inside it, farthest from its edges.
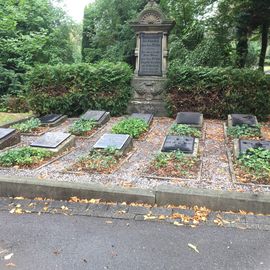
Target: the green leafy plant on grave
(24, 156)
(131, 126)
(184, 130)
(256, 162)
(244, 131)
(82, 127)
(28, 126)
(102, 160)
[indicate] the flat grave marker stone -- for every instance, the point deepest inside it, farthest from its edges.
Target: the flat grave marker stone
(52, 119)
(181, 143)
(147, 117)
(244, 145)
(190, 118)
(8, 137)
(121, 142)
(101, 117)
(55, 141)
(242, 119)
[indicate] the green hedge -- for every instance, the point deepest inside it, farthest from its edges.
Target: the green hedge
(72, 89)
(216, 92)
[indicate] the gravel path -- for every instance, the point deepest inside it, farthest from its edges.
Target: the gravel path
(215, 172)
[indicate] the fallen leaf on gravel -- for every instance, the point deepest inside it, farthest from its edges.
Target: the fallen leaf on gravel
(45, 208)
(176, 223)
(8, 257)
(193, 247)
(162, 217)
(12, 211)
(19, 198)
(64, 208)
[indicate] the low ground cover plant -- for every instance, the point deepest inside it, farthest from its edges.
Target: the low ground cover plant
(82, 127)
(184, 130)
(25, 156)
(101, 161)
(28, 125)
(131, 126)
(255, 166)
(244, 131)
(174, 164)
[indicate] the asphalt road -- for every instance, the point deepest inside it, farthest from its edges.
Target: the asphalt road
(76, 242)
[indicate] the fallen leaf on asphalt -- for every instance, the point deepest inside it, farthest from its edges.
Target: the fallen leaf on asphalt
(108, 222)
(148, 217)
(8, 257)
(162, 217)
(19, 198)
(193, 247)
(10, 265)
(64, 208)
(176, 223)
(45, 208)
(12, 211)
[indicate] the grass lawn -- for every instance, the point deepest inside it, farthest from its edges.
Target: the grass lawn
(12, 117)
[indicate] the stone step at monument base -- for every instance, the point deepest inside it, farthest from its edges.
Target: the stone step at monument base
(157, 108)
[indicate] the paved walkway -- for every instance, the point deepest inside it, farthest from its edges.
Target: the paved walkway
(61, 242)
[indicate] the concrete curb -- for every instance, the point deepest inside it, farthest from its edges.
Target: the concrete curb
(213, 199)
(31, 188)
(162, 195)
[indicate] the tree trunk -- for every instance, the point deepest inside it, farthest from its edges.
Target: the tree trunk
(242, 47)
(264, 31)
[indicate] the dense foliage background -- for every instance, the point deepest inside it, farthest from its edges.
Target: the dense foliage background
(213, 42)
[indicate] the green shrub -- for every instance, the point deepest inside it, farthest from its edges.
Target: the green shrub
(184, 130)
(217, 92)
(103, 160)
(28, 125)
(81, 127)
(73, 89)
(244, 131)
(131, 126)
(256, 162)
(24, 156)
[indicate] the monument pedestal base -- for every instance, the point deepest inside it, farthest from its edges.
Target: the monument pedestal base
(148, 96)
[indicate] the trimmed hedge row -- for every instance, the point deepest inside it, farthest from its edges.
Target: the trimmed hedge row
(72, 89)
(216, 92)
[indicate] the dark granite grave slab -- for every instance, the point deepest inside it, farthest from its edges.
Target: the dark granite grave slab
(180, 143)
(52, 119)
(120, 142)
(147, 117)
(243, 119)
(244, 145)
(51, 140)
(101, 117)
(8, 137)
(5, 132)
(190, 118)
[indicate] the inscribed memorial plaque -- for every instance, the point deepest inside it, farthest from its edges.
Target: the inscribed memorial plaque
(4, 132)
(147, 117)
(244, 145)
(183, 144)
(150, 54)
(50, 118)
(51, 140)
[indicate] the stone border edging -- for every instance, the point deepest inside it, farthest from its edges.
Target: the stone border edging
(162, 195)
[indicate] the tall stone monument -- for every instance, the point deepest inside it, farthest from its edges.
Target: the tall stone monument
(152, 29)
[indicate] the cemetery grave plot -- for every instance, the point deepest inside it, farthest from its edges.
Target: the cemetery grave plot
(31, 127)
(89, 123)
(252, 161)
(8, 137)
(178, 159)
(40, 152)
(99, 117)
(244, 138)
(52, 120)
(108, 153)
(136, 127)
(192, 119)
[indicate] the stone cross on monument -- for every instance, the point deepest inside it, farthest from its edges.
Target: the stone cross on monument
(152, 29)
